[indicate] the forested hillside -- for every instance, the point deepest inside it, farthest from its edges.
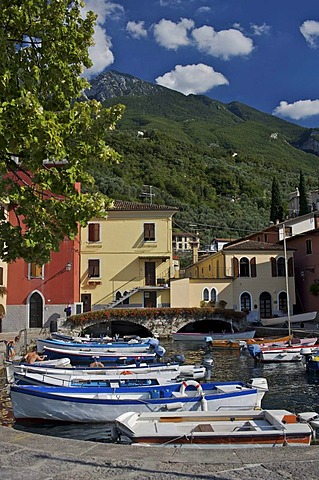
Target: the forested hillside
(215, 162)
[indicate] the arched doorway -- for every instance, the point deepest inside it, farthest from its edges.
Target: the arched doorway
(35, 311)
(265, 305)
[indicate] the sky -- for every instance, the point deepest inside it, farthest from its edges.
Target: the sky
(263, 53)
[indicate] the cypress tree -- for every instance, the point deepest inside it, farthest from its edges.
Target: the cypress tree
(303, 198)
(276, 210)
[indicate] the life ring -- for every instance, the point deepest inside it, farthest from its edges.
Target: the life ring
(191, 383)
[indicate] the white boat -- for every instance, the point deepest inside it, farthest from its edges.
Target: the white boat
(279, 354)
(244, 428)
(300, 318)
(199, 337)
(104, 404)
(172, 370)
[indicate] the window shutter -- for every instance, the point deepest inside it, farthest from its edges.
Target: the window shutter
(149, 231)
(1, 275)
(94, 232)
(290, 267)
(253, 270)
(235, 267)
(35, 270)
(273, 267)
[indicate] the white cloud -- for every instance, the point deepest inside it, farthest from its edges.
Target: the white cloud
(173, 35)
(100, 53)
(310, 31)
(297, 110)
(194, 79)
(260, 29)
(203, 10)
(165, 3)
(223, 44)
(136, 29)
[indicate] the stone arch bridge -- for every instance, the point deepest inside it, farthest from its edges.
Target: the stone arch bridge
(160, 323)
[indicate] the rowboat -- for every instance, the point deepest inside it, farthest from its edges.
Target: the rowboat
(105, 404)
(229, 344)
(172, 370)
(300, 318)
(270, 341)
(88, 355)
(199, 337)
(244, 428)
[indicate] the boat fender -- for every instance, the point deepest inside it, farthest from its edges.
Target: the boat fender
(191, 383)
(174, 406)
(126, 372)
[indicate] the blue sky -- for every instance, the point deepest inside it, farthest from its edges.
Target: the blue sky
(264, 53)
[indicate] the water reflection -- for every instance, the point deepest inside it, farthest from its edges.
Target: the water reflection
(289, 388)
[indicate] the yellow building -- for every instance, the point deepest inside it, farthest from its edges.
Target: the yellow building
(126, 259)
(247, 275)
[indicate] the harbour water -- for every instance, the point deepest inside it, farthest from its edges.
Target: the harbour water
(289, 388)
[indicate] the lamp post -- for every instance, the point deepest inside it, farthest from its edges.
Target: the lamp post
(286, 278)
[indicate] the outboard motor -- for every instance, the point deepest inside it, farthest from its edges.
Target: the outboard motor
(179, 358)
(208, 363)
(261, 384)
(306, 356)
(160, 351)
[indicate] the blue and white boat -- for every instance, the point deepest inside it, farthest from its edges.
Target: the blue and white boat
(105, 404)
(86, 354)
(114, 347)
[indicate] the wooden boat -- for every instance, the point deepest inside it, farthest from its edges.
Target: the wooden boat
(104, 404)
(229, 344)
(250, 428)
(88, 355)
(172, 370)
(300, 318)
(198, 337)
(270, 341)
(278, 354)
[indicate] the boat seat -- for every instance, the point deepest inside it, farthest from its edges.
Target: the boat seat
(178, 394)
(246, 427)
(203, 427)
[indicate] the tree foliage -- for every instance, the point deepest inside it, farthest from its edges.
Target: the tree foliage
(48, 140)
(303, 198)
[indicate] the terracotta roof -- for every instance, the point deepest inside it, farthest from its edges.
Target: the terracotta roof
(253, 245)
(128, 206)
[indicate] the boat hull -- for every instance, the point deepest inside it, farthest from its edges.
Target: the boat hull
(300, 318)
(89, 405)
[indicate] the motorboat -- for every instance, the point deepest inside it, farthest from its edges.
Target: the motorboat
(224, 428)
(199, 337)
(293, 353)
(87, 355)
(105, 404)
(113, 347)
(65, 369)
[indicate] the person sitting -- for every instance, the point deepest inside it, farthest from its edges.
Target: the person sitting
(96, 364)
(32, 357)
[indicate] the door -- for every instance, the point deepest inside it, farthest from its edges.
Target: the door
(150, 276)
(35, 311)
(86, 300)
(150, 299)
(265, 305)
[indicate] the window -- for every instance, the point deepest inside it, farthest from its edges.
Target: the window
(94, 232)
(35, 270)
(1, 275)
(244, 267)
(283, 306)
(149, 232)
(213, 295)
(206, 295)
(245, 302)
(281, 267)
(94, 268)
(308, 247)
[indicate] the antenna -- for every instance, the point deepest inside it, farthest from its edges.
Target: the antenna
(149, 194)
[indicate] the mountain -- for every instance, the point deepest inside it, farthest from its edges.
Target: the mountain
(214, 161)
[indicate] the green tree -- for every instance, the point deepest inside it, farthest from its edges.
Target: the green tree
(303, 197)
(276, 209)
(48, 139)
